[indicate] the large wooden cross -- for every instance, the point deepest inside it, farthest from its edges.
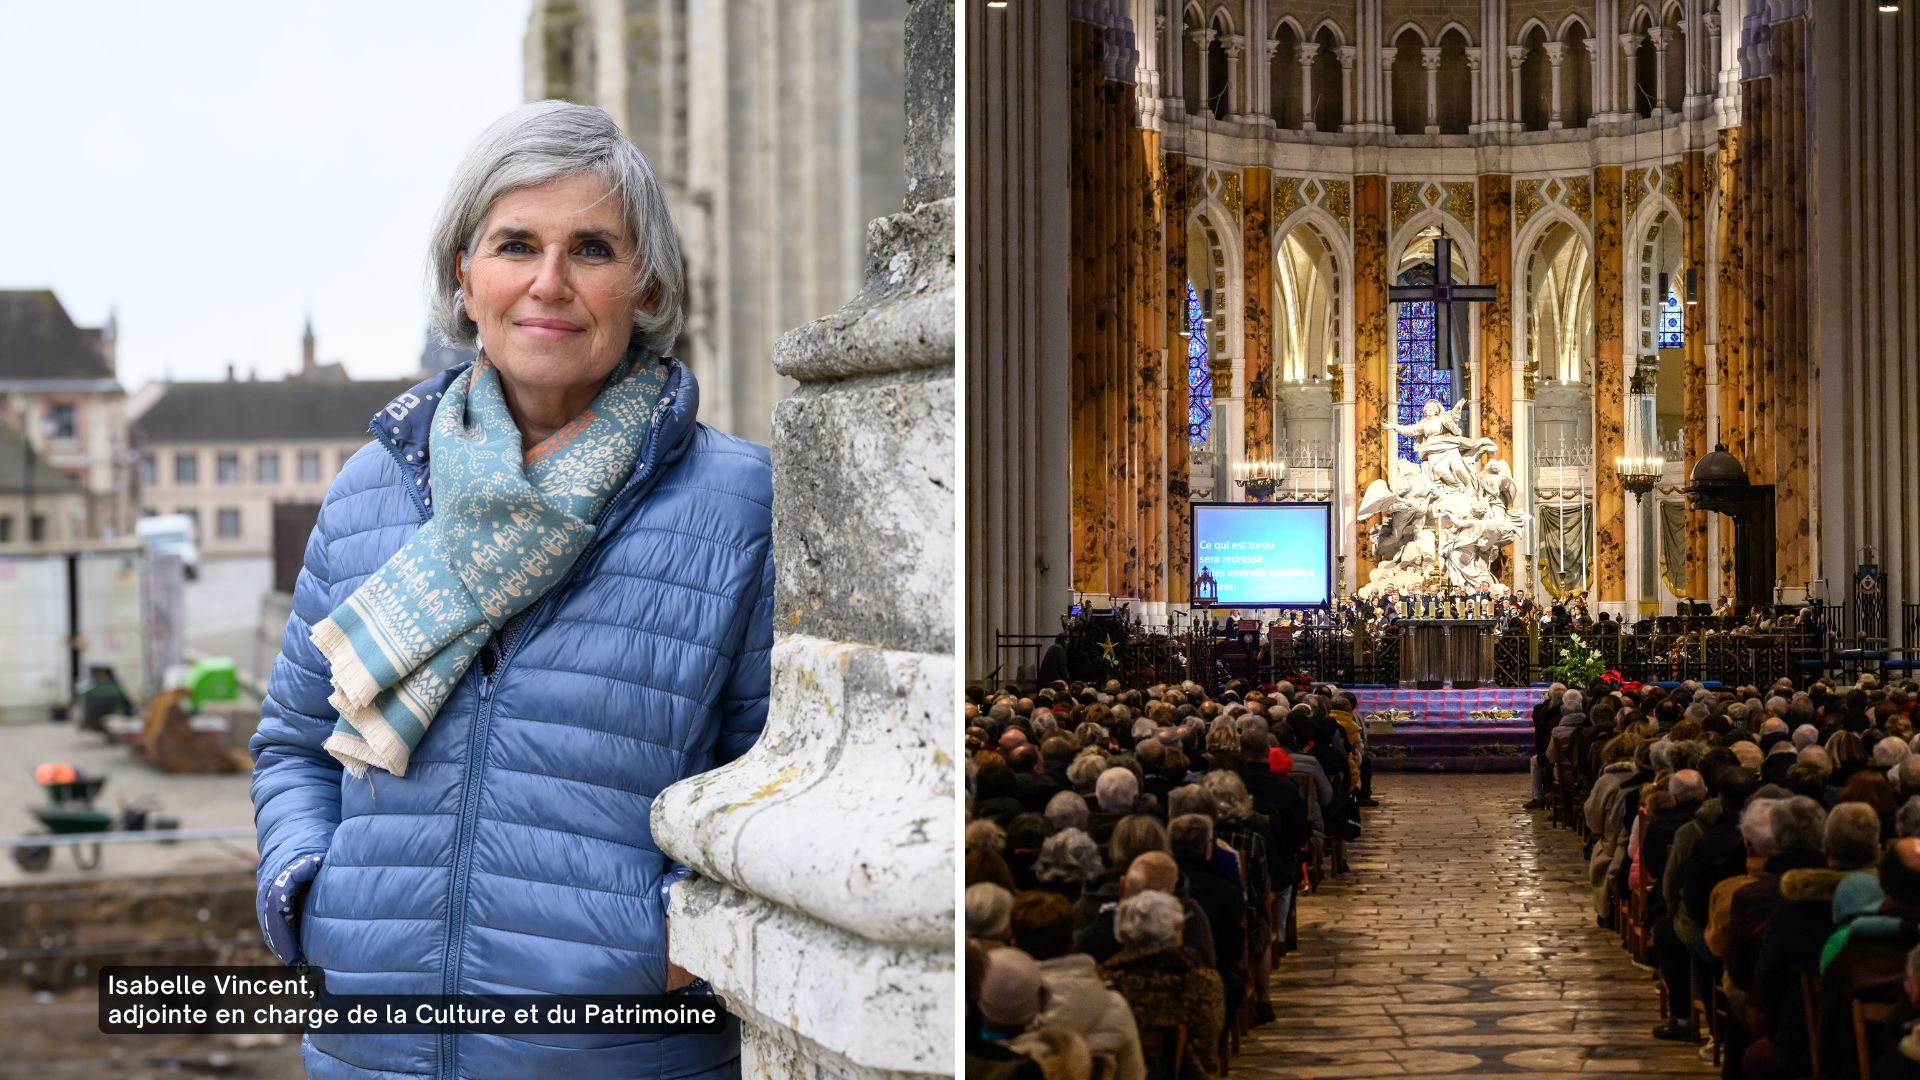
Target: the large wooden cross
(1442, 294)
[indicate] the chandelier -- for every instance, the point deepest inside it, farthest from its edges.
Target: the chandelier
(1259, 478)
(1640, 467)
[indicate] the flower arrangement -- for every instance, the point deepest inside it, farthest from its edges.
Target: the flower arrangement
(1580, 664)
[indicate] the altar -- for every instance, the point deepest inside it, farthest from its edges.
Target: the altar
(1439, 653)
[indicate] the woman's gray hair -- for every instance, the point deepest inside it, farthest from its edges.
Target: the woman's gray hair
(1149, 920)
(989, 909)
(1230, 799)
(1756, 827)
(1573, 701)
(535, 143)
(1069, 855)
(1067, 810)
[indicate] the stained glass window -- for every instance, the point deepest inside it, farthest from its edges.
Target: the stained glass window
(1199, 373)
(1419, 380)
(1673, 332)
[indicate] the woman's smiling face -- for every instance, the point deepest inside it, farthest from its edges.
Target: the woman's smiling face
(550, 283)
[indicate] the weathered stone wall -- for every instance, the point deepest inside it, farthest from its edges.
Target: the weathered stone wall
(823, 909)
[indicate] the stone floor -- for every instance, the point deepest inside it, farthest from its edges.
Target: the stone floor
(1461, 941)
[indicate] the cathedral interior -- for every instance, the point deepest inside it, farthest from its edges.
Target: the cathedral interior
(1184, 220)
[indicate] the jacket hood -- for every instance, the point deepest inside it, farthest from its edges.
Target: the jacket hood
(1812, 885)
(1077, 998)
(1619, 768)
(405, 425)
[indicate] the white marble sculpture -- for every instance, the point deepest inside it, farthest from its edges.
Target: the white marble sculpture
(1454, 511)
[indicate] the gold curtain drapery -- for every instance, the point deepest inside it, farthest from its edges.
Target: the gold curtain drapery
(1563, 551)
(1673, 547)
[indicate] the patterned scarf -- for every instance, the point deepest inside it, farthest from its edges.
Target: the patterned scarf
(508, 527)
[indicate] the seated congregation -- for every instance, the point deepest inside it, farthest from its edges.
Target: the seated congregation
(1133, 858)
(1758, 850)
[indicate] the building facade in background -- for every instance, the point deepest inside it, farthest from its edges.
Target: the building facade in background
(59, 390)
(225, 453)
(774, 127)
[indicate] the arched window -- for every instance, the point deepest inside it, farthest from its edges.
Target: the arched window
(1199, 373)
(1192, 89)
(1217, 93)
(1673, 322)
(1646, 73)
(1409, 86)
(1454, 84)
(1576, 80)
(1418, 380)
(1329, 110)
(1284, 84)
(1536, 83)
(1675, 58)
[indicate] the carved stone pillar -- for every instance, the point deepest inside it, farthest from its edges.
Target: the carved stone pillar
(1516, 56)
(1661, 39)
(1630, 72)
(1305, 52)
(1235, 46)
(1430, 60)
(1596, 101)
(1712, 88)
(1556, 53)
(1347, 54)
(1479, 114)
(1202, 38)
(832, 945)
(1387, 57)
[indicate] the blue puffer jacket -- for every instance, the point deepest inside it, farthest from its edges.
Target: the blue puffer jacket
(515, 856)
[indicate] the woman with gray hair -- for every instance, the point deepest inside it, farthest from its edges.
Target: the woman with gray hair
(1069, 861)
(1165, 984)
(540, 595)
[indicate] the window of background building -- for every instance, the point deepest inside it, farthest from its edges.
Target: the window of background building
(226, 467)
(146, 470)
(37, 528)
(309, 466)
(229, 522)
(344, 455)
(6, 528)
(269, 466)
(62, 424)
(193, 515)
(186, 467)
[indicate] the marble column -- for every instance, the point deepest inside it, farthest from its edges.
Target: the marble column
(1658, 35)
(1305, 52)
(1371, 359)
(1556, 55)
(1387, 57)
(1089, 389)
(1153, 349)
(1793, 385)
(1609, 349)
(1516, 56)
(1495, 241)
(1693, 389)
(1479, 114)
(1202, 38)
(1183, 183)
(1258, 277)
(1729, 242)
(1629, 73)
(1347, 55)
(834, 945)
(1430, 60)
(1235, 46)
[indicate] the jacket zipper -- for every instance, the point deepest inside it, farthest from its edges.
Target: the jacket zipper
(476, 748)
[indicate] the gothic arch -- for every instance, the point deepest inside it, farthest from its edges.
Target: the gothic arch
(1410, 24)
(1220, 227)
(1527, 28)
(1528, 325)
(1454, 25)
(1464, 247)
(1291, 23)
(1338, 267)
(1222, 20)
(1339, 38)
(1568, 23)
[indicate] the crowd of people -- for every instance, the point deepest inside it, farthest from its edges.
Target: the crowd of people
(1758, 849)
(1133, 857)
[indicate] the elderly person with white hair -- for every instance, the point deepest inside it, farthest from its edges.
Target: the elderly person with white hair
(1888, 754)
(1116, 794)
(1163, 983)
(1068, 864)
(539, 596)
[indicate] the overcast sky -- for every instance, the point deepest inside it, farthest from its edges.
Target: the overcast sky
(216, 170)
